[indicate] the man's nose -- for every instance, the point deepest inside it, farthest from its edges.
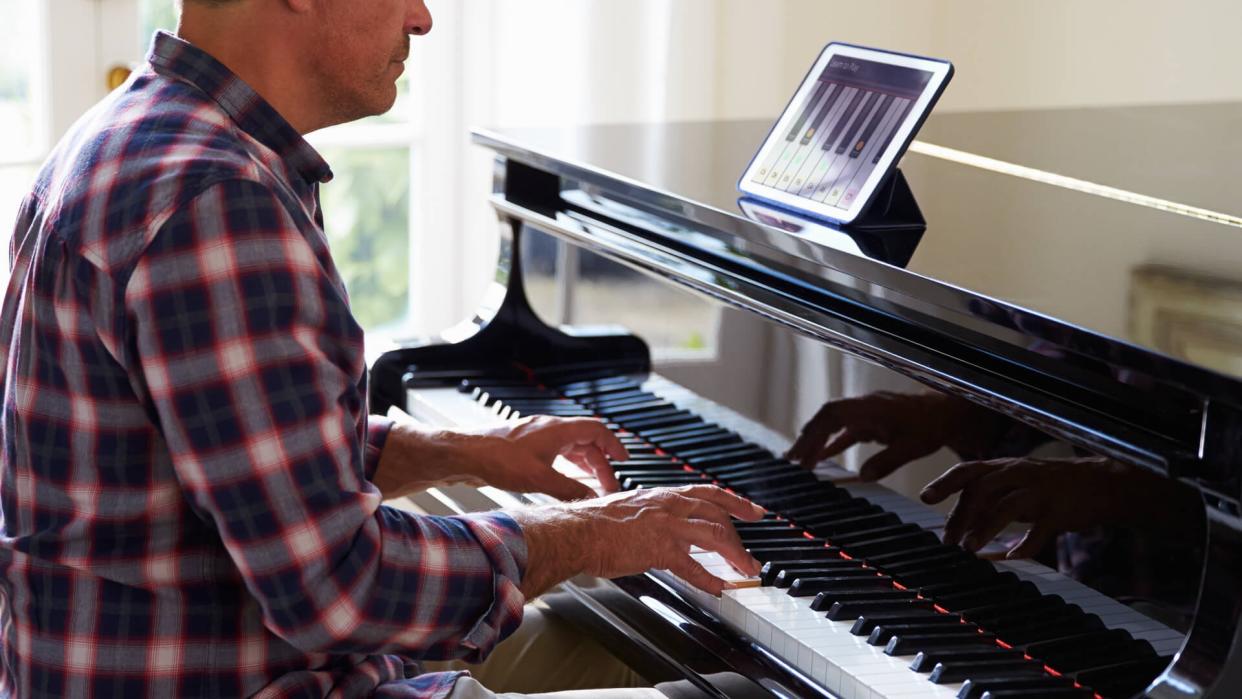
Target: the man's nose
(418, 19)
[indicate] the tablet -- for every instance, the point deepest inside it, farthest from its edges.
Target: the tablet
(844, 130)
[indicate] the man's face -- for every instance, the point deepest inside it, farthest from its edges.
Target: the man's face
(359, 53)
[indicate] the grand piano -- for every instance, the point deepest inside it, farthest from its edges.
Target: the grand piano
(1077, 274)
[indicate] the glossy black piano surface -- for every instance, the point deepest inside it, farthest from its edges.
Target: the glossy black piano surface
(1062, 270)
(1080, 271)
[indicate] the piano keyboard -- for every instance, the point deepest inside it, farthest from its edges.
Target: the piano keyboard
(835, 143)
(857, 591)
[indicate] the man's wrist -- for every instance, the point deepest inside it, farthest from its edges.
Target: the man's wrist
(558, 540)
(416, 459)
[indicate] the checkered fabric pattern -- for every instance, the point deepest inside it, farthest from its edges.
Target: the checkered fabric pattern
(184, 490)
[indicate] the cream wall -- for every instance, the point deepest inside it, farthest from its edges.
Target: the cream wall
(1009, 54)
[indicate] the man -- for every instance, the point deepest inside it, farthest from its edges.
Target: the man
(191, 489)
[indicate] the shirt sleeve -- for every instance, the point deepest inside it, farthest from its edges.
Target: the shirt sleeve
(253, 364)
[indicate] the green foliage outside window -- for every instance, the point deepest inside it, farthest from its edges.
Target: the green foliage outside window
(366, 213)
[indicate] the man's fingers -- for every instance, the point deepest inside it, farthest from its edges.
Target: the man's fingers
(963, 517)
(588, 431)
(1010, 508)
(563, 487)
(885, 462)
(737, 506)
(602, 468)
(955, 479)
(817, 430)
(1037, 537)
(721, 538)
(694, 573)
(840, 443)
(591, 460)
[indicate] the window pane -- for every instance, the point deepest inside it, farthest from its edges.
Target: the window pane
(367, 216)
(156, 14)
(19, 42)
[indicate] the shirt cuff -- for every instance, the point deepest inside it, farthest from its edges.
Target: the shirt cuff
(377, 436)
(502, 541)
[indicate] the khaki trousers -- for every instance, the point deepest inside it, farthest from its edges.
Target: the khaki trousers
(547, 658)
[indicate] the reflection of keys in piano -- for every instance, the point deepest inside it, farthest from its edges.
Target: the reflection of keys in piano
(857, 590)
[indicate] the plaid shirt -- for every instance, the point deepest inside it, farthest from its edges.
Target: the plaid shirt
(186, 508)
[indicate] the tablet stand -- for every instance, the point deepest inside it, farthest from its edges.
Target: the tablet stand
(893, 209)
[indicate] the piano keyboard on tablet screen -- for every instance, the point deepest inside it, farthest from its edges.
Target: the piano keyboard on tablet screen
(857, 590)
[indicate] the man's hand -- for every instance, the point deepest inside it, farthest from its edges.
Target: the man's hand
(518, 456)
(1054, 496)
(910, 426)
(515, 456)
(628, 533)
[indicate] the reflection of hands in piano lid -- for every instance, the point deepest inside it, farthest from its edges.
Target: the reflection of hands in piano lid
(1059, 495)
(908, 426)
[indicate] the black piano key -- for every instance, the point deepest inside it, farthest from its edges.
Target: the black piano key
(818, 123)
(642, 474)
(925, 556)
(816, 495)
(927, 660)
(864, 111)
(662, 481)
(967, 573)
(988, 614)
(870, 547)
(659, 435)
(807, 110)
(843, 119)
(1059, 693)
(844, 611)
(723, 456)
(939, 624)
(843, 505)
(864, 138)
(864, 625)
(950, 588)
(880, 532)
(1035, 629)
(785, 574)
(975, 687)
(962, 670)
(765, 525)
(617, 412)
(751, 468)
(699, 442)
(884, 630)
(668, 420)
(758, 485)
(616, 400)
(583, 389)
(767, 541)
(1076, 642)
(983, 595)
(648, 462)
(827, 600)
(913, 644)
(645, 418)
(848, 525)
(772, 570)
(783, 554)
(811, 586)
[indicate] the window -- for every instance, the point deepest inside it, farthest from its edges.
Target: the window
(22, 122)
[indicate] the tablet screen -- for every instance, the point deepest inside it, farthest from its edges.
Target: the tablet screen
(841, 128)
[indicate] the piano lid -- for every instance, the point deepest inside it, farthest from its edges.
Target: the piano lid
(1103, 261)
